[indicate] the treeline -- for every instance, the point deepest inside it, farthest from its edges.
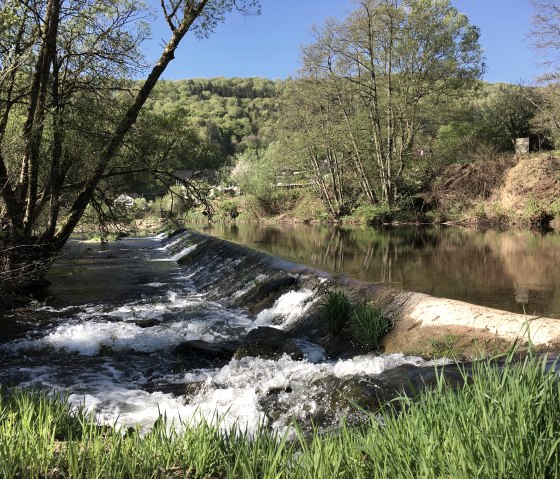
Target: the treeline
(229, 113)
(227, 87)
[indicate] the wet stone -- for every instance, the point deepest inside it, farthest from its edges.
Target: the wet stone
(188, 391)
(268, 342)
(146, 323)
(204, 350)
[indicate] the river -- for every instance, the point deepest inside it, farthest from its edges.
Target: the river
(513, 270)
(108, 331)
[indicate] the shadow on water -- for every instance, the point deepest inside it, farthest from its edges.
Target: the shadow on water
(511, 270)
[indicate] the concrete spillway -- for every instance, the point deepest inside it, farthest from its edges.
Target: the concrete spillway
(254, 280)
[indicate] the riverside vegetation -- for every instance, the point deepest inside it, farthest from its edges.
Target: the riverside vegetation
(502, 422)
(368, 325)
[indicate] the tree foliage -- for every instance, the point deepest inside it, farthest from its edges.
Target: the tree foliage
(67, 108)
(374, 78)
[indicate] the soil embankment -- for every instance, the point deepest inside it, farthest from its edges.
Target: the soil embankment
(509, 191)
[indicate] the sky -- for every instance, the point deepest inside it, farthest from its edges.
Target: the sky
(269, 45)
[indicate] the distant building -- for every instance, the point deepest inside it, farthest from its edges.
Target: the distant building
(126, 199)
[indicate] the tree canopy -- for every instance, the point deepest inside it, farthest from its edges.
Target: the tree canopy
(67, 106)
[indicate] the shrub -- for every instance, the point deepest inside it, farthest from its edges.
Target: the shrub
(336, 310)
(373, 214)
(229, 210)
(369, 325)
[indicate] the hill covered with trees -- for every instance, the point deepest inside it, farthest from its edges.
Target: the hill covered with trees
(230, 113)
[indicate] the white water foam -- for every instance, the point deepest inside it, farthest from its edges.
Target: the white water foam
(231, 395)
(288, 308)
(178, 319)
(171, 244)
(249, 286)
(183, 253)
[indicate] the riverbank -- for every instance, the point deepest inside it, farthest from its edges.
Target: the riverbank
(501, 422)
(501, 192)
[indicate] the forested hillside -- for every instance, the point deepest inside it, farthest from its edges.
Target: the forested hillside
(230, 113)
(255, 131)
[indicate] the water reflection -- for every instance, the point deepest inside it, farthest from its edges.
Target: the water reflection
(512, 270)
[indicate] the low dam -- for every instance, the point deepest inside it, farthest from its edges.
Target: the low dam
(196, 327)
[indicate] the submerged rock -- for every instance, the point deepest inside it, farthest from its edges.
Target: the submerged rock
(268, 342)
(204, 350)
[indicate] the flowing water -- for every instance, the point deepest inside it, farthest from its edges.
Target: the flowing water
(514, 270)
(108, 331)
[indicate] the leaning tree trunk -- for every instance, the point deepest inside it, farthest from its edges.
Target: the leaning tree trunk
(24, 257)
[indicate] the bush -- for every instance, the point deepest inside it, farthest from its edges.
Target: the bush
(369, 325)
(336, 310)
(229, 210)
(373, 214)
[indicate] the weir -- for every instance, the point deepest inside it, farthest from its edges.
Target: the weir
(224, 333)
(246, 278)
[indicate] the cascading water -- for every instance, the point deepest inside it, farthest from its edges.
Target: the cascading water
(112, 333)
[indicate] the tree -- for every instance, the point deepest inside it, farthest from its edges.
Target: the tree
(389, 64)
(66, 108)
(313, 140)
(545, 36)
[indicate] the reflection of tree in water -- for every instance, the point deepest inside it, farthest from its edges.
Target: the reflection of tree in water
(499, 269)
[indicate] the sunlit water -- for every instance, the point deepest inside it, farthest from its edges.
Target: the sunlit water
(515, 270)
(107, 331)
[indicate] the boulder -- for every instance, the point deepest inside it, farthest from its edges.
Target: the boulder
(206, 351)
(268, 342)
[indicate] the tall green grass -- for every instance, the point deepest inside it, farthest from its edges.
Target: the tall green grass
(368, 325)
(503, 423)
(336, 310)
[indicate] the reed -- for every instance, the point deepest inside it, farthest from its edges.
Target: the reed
(504, 422)
(369, 325)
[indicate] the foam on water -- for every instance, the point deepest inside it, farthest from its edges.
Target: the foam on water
(232, 395)
(183, 253)
(170, 245)
(287, 308)
(90, 337)
(176, 257)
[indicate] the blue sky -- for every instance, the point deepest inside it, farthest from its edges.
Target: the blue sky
(269, 45)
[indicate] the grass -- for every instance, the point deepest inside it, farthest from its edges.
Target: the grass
(336, 310)
(503, 423)
(367, 324)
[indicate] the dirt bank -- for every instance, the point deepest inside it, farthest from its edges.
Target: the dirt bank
(508, 191)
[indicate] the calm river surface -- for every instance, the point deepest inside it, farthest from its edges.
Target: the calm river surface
(511, 270)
